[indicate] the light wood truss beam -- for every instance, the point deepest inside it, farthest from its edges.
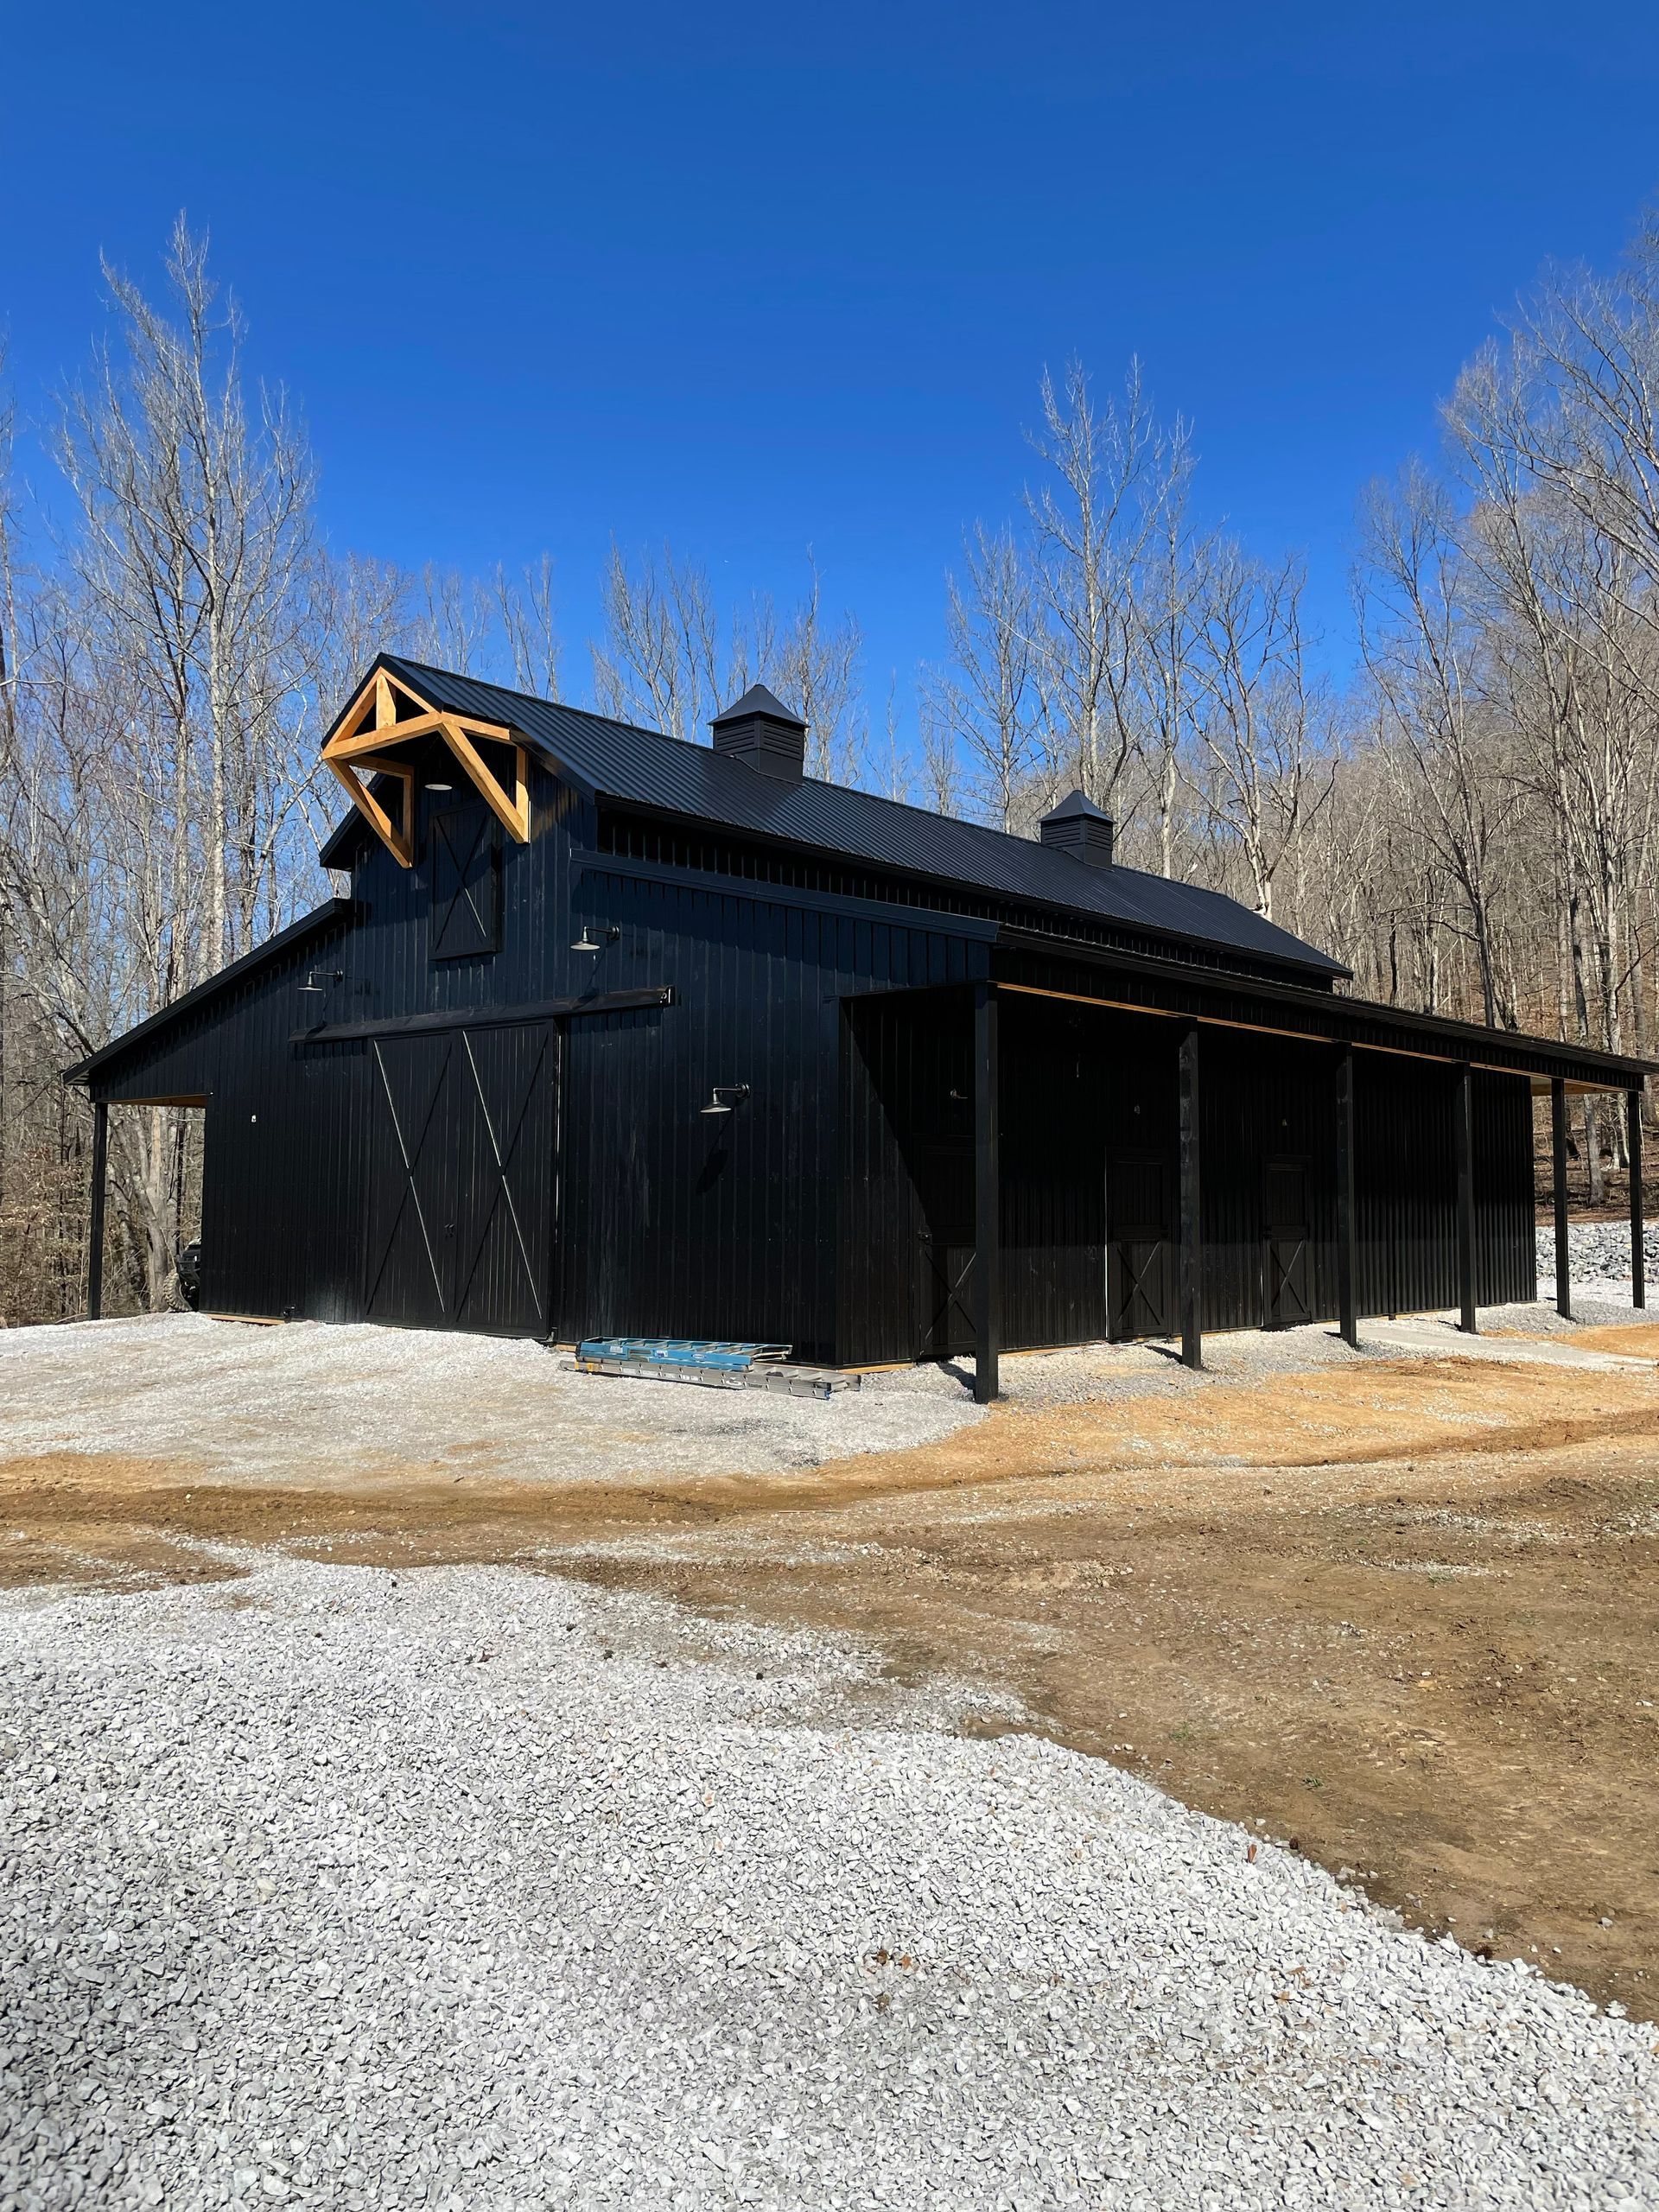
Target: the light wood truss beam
(362, 748)
(396, 836)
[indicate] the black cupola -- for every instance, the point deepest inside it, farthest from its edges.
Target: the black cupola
(758, 730)
(1078, 826)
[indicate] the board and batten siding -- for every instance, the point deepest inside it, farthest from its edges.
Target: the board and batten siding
(1088, 1107)
(667, 1221)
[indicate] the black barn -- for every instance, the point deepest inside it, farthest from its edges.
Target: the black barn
(619, 1033)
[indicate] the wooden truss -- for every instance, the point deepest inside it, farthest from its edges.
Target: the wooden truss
(387, 714)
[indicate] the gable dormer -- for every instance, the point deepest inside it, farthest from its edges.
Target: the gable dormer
(386, 738)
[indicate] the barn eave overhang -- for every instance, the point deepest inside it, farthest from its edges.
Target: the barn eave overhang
(1028, 960)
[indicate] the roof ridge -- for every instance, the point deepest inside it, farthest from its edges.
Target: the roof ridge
(696, 745)
(1119, 870)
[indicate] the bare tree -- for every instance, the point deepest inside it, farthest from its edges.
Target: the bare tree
(1171, 621)
(194, 548)
(1111, 472)
(152, 815)
(669, 661)
(1421, 648)
(524, 609)
(1265, 765)
(813, 666)
(984, 700)
(942, 777)
(661, 663)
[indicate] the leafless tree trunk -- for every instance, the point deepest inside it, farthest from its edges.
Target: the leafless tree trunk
(984, 699)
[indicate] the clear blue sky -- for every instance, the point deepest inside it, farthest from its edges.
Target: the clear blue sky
(750, 279)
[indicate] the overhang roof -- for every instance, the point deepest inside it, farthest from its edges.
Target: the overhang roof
(1037, 961)
(637, 767)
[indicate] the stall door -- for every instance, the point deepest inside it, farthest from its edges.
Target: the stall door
(943, 1170)
(1286, 1231)
(1142, 1250)
(463, 1140)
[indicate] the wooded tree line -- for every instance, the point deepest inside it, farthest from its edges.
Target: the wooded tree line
(1470, 822)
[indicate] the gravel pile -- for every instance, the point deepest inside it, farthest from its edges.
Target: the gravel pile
(1597, 1252)
(477, 1889)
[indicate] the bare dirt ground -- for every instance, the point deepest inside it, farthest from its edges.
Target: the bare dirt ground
(1402, 1611)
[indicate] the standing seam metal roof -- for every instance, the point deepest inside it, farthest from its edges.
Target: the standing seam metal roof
(619, 761)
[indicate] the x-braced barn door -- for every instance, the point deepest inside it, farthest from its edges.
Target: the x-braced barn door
(1142, 1250)
(462, 1179)
(944, 1246)
(1289, 1289)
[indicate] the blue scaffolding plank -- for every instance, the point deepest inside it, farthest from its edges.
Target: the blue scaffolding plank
(680, 1351)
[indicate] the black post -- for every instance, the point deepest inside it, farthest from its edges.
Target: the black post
(1463, 1114)
(1347, 1230)
(95, 1235)
(988, 1199)
(1633, 1146)
(1192, 1227)
(1557, 1176)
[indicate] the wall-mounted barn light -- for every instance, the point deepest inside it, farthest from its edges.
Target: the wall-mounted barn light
(327, 975)
(588, 943)
(725, 1096)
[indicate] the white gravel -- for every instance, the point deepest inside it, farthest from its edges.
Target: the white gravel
(290, 1402)
(1598, 1260)
(474, 1889)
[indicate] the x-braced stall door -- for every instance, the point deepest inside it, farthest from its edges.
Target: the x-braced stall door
(1142, 1250)
(944, 1173)
(1286, 1230)
(462, 1179)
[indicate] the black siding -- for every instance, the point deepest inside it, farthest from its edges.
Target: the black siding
(1088, 1109)
(832, 1209)
(666, 1221)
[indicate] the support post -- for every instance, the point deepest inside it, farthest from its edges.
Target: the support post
(988, 1198)
(1347, 1226)
(95, 1232)
(1633, 1146)
(1463, 1116)
(1558, 1181)
(1192, 1229)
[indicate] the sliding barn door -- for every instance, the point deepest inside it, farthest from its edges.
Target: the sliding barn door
(462, 1182)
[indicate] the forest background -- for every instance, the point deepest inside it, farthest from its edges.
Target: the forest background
(1468, 821)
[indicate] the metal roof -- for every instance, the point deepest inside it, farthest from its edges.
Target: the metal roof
(641, 767)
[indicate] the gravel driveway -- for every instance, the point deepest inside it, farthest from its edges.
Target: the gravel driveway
(474, 1889)
(266, 1403)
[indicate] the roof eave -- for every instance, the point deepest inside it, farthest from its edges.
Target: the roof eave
(1623, 1071)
